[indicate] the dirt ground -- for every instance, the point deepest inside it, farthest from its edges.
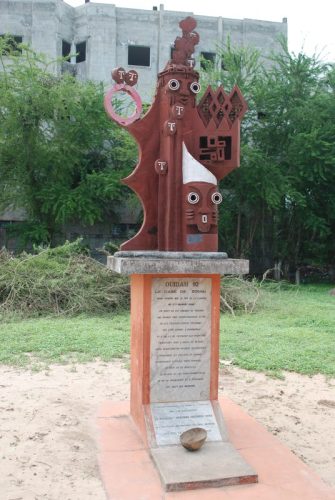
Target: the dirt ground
(48, 436)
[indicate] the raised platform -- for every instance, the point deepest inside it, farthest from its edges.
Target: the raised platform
(216, 464)
(153, 262)
(128, 471)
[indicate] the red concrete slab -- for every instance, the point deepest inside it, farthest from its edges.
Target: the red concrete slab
(128, 472)
(119, 435)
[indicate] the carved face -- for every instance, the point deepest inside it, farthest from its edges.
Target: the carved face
(181, 88)
(201, 200)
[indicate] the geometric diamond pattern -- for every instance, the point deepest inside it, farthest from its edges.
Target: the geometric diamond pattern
(205, 106)
(217, 105)
(237, 106)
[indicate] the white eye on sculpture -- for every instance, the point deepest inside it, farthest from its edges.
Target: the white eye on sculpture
(195, 87)
(193, 198)
(173, 84)
(217, 198)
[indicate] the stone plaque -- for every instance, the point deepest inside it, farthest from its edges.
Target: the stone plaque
(171, 419)
(180, 345)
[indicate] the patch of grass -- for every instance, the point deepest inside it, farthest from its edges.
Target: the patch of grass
(63, 340)
(293, 329)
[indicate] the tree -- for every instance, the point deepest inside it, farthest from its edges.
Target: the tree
(61, 158)
(280, 204)
(298, 129)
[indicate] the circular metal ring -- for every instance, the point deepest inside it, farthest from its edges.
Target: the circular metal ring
(122, 87)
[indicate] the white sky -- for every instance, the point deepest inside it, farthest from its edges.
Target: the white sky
(310, 24)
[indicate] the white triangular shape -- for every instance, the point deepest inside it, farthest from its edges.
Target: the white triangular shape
(193, 171)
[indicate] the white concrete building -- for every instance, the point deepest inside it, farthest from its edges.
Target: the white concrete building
(105, 36)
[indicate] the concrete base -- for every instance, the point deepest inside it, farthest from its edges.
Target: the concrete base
(176, 263)
(214, 465)
(128, 471)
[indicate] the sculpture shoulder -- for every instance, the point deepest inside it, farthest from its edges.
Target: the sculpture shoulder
(146, 127)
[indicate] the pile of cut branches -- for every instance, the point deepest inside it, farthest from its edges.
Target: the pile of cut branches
(238, 294)
(66, 281)
(59, 281)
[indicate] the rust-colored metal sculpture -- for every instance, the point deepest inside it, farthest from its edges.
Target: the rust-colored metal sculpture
(184, 150)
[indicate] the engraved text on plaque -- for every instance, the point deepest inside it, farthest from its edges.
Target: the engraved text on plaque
(180, 339)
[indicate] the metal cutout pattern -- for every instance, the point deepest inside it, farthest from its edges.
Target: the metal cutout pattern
(174, 218)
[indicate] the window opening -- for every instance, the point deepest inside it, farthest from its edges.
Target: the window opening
(12, 44)
(138, 55)
(66, 48)
(81, 52)
(207, 56)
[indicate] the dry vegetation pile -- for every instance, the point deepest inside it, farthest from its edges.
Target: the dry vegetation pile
(238, 294)
(61, 281)
(66, 281)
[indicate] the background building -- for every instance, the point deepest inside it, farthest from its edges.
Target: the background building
(105, 36)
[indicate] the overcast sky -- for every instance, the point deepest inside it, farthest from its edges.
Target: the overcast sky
(310, 24)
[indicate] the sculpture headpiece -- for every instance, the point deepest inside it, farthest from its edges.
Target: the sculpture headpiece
(184, 46)
(185, 149)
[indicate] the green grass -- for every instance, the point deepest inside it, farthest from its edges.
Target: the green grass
(291, 329)
(59, 339)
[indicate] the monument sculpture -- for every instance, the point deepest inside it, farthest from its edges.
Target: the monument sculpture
(185, 149)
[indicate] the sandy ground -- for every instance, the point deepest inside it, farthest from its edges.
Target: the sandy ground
(48, 436)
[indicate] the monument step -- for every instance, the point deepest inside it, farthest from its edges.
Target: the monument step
(214, 465)
(129, 473)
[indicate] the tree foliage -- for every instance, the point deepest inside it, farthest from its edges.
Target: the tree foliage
(280, 204)
(61, 159)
